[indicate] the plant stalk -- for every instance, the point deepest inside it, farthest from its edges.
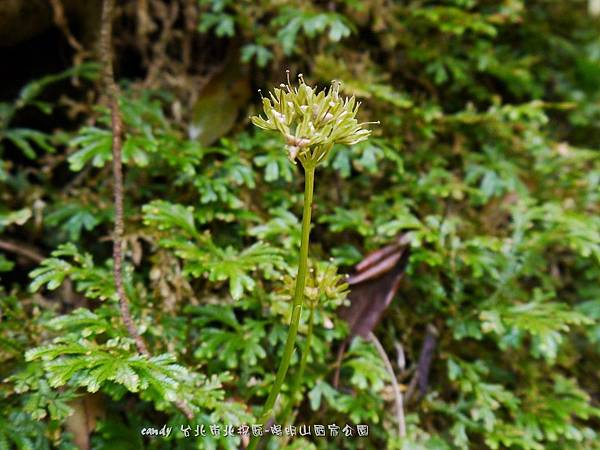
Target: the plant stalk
(105, 50)
(267, 411)
(397, 393)
(300, 375)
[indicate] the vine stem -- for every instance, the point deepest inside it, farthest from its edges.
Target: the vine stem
(267, 411)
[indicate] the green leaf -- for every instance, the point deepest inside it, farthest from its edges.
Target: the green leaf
(73, 218)
(14, 217)
(262, 54)
(321, 389)
(23, 138)
(165, 216)
(94, 145)
(95, 282)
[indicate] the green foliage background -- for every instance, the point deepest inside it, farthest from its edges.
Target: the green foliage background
(487, 156)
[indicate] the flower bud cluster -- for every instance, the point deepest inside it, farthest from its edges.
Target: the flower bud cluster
(311, 122)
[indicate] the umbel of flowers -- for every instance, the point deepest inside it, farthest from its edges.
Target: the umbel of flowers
(311, 123)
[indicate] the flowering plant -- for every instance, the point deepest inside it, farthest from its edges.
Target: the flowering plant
(310, 121)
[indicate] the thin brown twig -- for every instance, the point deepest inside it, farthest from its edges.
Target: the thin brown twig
(60, 20)
(168, 15)
(21, 249)
(117, 131)
(191, 21)
(397, 393)
(338, 362)
(112, 90)
(420, 378)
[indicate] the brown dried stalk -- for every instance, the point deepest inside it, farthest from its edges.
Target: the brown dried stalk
(395, 387)
(22, 249)
(60, 19)
(112, 90)
(117, 132)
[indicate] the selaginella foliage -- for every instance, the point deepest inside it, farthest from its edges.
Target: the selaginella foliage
(486, 159)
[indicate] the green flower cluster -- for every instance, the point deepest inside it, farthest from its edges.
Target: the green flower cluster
(312, 122)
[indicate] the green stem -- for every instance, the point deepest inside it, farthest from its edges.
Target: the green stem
(267, 411)
(299, 376)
